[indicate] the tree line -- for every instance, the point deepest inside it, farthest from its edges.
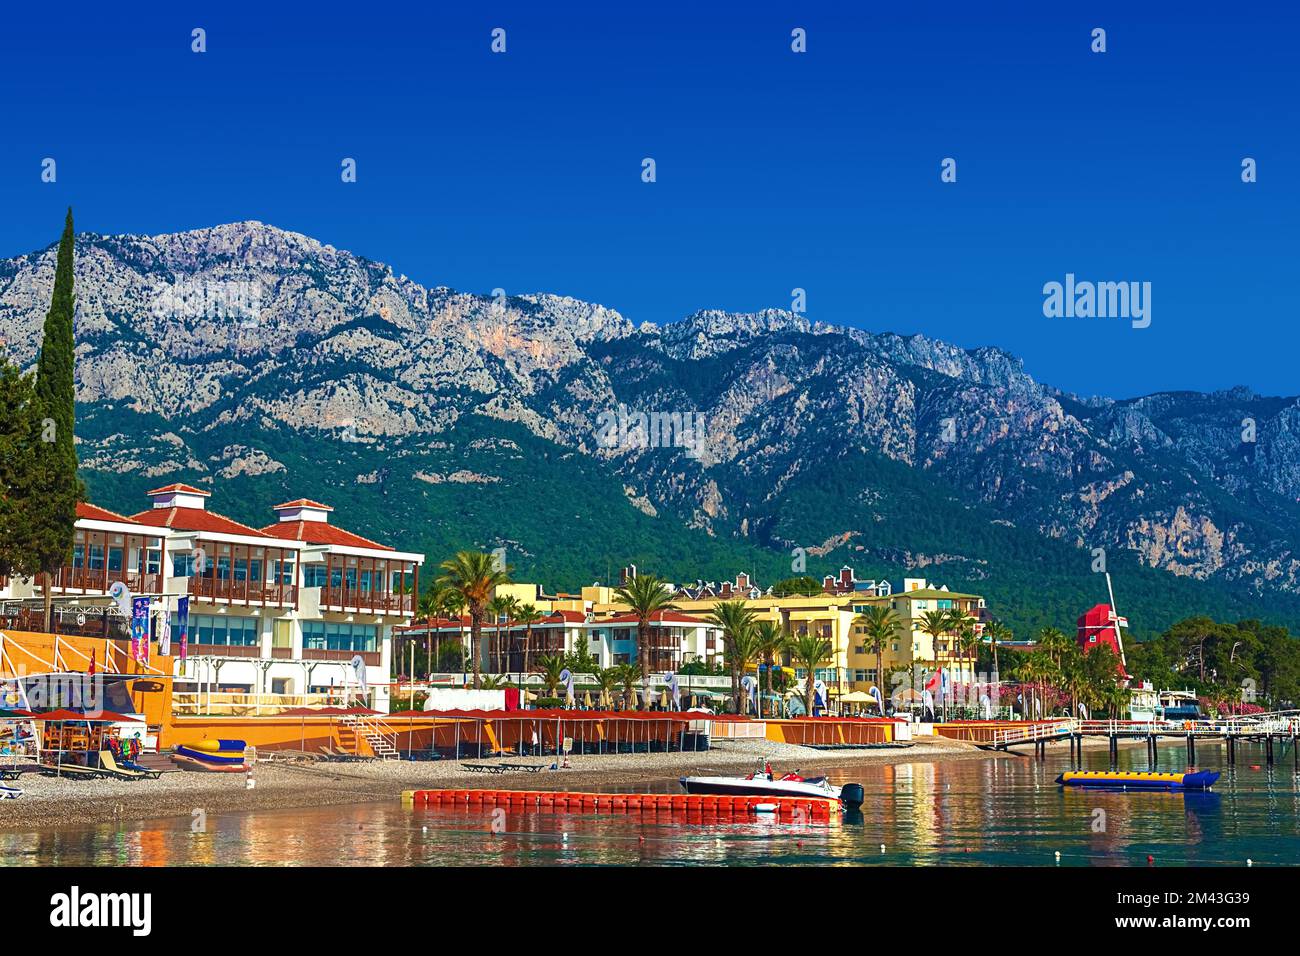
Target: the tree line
(39, 486)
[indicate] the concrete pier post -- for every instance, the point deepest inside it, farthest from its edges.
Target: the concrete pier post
(1151, 751)
(1191, 751)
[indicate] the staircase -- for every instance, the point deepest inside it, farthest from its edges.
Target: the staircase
(356, 727)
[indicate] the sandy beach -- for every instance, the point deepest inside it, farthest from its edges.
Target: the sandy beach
(52, 802)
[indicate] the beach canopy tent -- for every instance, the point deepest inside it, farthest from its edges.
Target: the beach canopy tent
(64, 733)
(857, 697)
(99, 717)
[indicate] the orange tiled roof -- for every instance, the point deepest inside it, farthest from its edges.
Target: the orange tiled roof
(318, 532)
(187, 489)
(658, 617)
(95, 513)
(303, 503)
(194, 519)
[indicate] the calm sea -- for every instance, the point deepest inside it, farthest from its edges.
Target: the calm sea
(1003, 812)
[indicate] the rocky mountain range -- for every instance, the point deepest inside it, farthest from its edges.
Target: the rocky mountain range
(264, 364)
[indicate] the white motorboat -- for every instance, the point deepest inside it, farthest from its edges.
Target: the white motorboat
(764, 783)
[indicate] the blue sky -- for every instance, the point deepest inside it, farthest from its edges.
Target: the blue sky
(775, 170)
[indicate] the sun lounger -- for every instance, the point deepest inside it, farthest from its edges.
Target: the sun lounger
(108, 763)
(484, 767)
(529, 767)
(73, 772)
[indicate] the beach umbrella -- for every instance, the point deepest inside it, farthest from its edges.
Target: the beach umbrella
(586, 700)
(663, 700)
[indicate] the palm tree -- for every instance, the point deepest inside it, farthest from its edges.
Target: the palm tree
(431, 605)
(880, 624)
(607, 678)
(453, 605)
(809, 651)
(474, 575)
(1053, 642)
(936, 623)
(770, 639)
(628, 675)
(736, 621)
(500, 606)
(996, 632)
(528, 615)
(966, 640)
(647, 596)
(551, 666)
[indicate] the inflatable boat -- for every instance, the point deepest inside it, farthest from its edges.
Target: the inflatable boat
(764, 783)
(220, 756)
(1139, 780)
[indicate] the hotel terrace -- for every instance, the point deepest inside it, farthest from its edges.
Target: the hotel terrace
(594, 618)
(281, 609)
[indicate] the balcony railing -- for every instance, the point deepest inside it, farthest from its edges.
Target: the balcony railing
(246, 592)
(218, 650)
(327, 654)
(99, 580)
(382, 602)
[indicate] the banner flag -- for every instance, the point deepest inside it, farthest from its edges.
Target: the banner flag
(140, 629)
(183, 624)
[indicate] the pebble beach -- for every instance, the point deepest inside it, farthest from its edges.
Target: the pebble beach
(283, 784)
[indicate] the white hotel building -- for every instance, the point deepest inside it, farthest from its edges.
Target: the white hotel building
(283, 609)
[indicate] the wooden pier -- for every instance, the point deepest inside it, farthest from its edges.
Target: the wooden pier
(1274, 730)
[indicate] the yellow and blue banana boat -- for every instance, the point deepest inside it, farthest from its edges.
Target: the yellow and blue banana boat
(1139, 780)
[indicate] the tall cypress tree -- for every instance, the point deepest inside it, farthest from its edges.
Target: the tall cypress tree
(19, 434)
(54, 512)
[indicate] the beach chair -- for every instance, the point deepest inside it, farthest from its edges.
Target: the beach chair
(109, 763)
(73, 772)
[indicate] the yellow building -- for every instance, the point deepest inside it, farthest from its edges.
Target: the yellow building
(830, 615)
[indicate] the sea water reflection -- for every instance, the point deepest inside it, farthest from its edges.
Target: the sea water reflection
(1003, 812)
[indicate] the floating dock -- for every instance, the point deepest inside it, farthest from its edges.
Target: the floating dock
(675, 804)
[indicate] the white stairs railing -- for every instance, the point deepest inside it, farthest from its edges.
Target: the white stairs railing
(383, 744)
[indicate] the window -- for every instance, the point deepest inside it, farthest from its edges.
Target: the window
(314, 575)
(282, 572)
(222, 629)
(183, 565)
(328, 635)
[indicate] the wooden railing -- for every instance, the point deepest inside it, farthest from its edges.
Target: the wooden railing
(239, 704)
(367, 600)
(248, 592)
(218, 650)
(100, 579)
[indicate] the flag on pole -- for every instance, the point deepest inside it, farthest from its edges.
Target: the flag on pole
(164, 634)
(139, 629)
(183, 624)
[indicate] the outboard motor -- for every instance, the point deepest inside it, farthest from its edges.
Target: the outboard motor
(852, 795)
